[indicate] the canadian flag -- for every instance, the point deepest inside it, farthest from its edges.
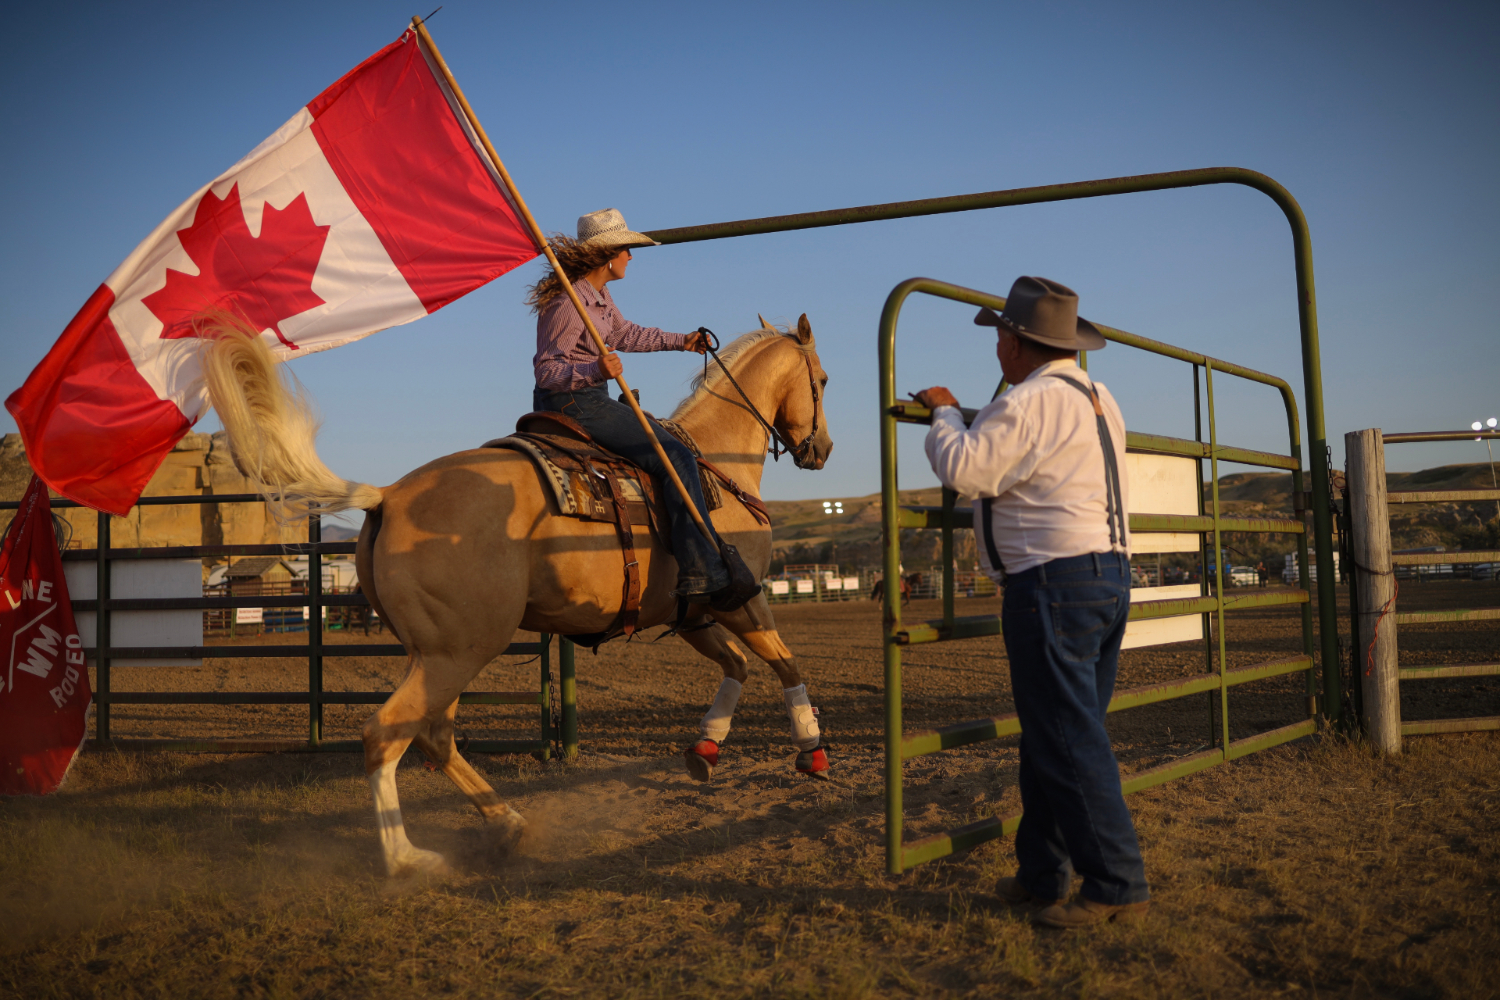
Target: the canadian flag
(373, 206)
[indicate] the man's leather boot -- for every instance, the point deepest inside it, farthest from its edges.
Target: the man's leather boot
(1011, 891)
(1083, 912)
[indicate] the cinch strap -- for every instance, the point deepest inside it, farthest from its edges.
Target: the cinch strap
(630, 603)
(1114, 500)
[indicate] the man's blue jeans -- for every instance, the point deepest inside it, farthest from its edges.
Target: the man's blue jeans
(700, 569)
(1063, 622)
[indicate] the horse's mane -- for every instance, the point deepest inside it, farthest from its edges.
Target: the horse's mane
(703, 383)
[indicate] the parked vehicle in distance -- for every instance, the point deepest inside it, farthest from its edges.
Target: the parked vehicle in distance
(1243, 576)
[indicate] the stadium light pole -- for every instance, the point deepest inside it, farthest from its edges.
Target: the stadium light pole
(1476, 425)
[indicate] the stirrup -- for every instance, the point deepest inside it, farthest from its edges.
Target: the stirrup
(701, 759)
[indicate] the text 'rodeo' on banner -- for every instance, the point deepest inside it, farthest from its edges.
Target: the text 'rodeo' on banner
(44, 692)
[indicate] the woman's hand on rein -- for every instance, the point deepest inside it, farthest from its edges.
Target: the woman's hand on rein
(696, 342)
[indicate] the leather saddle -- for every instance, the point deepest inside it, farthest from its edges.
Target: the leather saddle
(589, 482)
(601, 484)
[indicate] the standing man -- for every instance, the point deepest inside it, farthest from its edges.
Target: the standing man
(1043, 460)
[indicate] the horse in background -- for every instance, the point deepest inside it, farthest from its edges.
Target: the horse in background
(907, 582)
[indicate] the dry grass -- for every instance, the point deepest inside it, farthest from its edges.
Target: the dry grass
(1313, 868)
(1310, 867)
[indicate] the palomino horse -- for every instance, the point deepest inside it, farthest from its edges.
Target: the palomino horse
(462, 552)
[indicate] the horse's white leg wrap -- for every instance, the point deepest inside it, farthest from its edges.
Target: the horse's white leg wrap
(804, 722)
(715, 724)
(400, 855)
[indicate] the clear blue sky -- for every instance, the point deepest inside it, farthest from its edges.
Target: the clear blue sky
(1381, 118)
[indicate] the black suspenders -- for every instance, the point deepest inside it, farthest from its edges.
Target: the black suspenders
(1113, 500)
(987, 513)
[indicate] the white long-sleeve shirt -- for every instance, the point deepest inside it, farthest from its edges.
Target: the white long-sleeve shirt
(1036, 451)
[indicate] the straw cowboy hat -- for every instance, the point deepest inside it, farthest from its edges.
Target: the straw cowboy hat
(1046, 312)
(606, 228)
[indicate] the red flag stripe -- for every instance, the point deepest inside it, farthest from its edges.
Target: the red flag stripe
(431, 197)
(93, 428)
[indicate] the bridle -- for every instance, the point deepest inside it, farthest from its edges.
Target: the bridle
(801, 451)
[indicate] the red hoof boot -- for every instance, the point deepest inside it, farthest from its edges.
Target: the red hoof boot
(702, 757)
(813, 762)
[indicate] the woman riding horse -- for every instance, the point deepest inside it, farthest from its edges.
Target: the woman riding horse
(460, 554)
(572, 379)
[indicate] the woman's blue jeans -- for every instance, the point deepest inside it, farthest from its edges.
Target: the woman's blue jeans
(700, 569)
(1063, 622)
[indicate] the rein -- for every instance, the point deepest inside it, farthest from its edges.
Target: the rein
(778, 443)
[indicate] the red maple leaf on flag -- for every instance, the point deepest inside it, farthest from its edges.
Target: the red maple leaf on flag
(263, 279)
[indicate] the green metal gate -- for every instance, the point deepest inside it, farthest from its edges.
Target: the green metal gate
(1307, 320)
(1217, 678)
(1324, 638)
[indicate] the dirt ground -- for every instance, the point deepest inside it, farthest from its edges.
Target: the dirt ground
(1313, 867)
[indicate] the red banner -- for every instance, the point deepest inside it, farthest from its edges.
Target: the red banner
(44, 692)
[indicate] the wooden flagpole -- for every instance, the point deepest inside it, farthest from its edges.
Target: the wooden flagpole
(567, 283)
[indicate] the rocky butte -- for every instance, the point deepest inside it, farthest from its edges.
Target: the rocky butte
(200, 464)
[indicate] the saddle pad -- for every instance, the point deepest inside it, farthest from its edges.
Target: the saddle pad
(571, 492)
(706, 479)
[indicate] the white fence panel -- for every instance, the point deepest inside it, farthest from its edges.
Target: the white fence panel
(1162, 484)
(141, 578)
(1158, 631)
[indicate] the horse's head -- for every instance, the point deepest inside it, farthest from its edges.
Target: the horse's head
(767, 378)
(799, 411)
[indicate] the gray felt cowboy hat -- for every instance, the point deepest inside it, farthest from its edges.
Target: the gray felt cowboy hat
(1046, 312)
(606, 228)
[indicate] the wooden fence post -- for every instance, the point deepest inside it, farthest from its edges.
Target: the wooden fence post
(1375, 592)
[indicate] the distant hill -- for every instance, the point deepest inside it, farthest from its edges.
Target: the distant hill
(1452, 525)
(333, 532)
(1274, 489)
(803, 533)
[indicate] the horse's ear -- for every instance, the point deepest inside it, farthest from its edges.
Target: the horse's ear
(763, 324)
(804, 330)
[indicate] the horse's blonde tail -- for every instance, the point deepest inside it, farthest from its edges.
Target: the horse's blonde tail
(271, 425)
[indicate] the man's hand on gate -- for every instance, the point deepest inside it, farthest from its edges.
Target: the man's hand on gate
(936, 396)
(610, 365)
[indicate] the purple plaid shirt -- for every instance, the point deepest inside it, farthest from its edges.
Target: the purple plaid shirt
(565, 356)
